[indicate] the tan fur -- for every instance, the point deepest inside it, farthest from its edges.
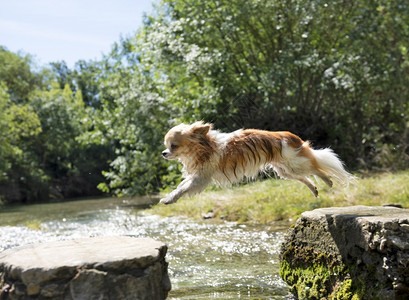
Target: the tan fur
(208, 155)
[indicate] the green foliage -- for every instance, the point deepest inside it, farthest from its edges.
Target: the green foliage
(136, 123)
(17, 76)
(85, 78)
(41, 155)
(5, 146)
(18, 123)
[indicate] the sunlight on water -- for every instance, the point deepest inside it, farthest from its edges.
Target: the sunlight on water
(206, 260)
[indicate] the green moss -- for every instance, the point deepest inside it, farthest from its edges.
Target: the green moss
(313, 275)
(346, 291)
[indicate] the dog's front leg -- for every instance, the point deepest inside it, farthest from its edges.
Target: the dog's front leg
(191, 185)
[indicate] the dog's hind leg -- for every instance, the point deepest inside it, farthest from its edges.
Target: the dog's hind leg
(283, 173)
(308, 183)
(324, 176)
(317, 171)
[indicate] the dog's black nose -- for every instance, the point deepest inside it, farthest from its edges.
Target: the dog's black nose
(164, 153)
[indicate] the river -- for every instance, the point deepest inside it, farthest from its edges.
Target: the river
(207, 260)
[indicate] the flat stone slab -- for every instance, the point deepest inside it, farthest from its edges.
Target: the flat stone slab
(118, 267)
(372, 214)
(391, 222)
(358, 250)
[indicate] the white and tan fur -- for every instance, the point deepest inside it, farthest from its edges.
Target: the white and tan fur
(209, 156)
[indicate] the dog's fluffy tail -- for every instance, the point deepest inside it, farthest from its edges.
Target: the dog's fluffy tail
(330, 163)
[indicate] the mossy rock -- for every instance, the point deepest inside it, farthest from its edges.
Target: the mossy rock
(314, 275)
(348, 253)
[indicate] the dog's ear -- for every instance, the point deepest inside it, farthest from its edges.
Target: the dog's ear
(201, 128)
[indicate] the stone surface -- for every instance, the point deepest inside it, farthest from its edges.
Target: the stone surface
(93, 268)
(341, 252)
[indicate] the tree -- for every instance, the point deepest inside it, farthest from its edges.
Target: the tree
(15, 73)
(5, 146)
(18, 124)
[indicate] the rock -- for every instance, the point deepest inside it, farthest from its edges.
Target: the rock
(344, 252)
(208, 215)
(94, 268)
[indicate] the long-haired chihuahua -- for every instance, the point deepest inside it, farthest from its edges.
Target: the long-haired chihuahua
(209, 155)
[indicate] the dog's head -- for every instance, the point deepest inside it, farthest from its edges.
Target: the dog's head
(183, 140)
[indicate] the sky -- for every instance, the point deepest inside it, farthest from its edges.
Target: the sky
(69, 30)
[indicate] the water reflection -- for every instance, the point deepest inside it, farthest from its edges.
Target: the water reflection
(206, 260)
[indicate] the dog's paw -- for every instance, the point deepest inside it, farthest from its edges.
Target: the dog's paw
(166, 200)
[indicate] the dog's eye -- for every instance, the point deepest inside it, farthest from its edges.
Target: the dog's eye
(173, 146)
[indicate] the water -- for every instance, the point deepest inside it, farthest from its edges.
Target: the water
(207, 260)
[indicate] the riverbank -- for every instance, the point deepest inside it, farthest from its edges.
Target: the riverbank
(273, 200)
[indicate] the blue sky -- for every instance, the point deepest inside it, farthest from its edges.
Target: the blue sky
(70, 30)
